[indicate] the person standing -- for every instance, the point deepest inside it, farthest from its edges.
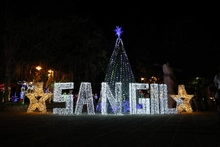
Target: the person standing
(22, 95)
(217, 95)
(95, 100)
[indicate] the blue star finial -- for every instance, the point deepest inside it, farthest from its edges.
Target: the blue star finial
(118, 31)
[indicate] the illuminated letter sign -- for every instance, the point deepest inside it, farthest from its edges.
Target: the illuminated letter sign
(59, 97)
(133, 87)
(156, 104)
(115, 102)
(85, 97)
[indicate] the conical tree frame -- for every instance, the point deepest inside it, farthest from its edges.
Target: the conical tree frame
(119, 69)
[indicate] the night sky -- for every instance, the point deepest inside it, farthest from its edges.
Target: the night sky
(185, 34)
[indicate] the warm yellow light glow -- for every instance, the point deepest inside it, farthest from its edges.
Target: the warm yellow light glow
(38, 68)
(38, 103)
(50, 71)
(182, 100)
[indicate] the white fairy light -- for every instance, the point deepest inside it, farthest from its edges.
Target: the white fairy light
(133, 87)
(145, 106)
(85, 98)
(159, 100)
(163, 98)
(58, 87)
(115, 102)
(156, 104)
(154, 95)
(118, 95)
(68, 110)
(59, 97)
(164, 101)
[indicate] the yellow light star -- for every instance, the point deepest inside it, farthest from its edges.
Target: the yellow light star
(37, 98)
(182, 100)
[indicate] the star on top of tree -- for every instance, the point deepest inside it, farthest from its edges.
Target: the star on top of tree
(118, 31)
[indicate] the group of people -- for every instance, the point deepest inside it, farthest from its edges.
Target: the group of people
(201, 99)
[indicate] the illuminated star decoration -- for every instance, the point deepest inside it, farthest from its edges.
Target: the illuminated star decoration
(118, 31)
(37, 98)
(182, 100)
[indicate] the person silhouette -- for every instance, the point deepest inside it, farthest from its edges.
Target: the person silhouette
(217, 95)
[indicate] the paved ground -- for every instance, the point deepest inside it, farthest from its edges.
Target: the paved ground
(197, 129)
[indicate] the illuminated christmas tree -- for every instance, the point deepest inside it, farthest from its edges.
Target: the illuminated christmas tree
(119, 69)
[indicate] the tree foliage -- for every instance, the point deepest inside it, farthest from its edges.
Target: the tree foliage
(74, 47)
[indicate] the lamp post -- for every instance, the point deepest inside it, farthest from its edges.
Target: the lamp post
(50, 75)
(50, 79)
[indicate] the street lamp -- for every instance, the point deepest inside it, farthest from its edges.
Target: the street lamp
(38, 68)
(50, 73)
(38, 74)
